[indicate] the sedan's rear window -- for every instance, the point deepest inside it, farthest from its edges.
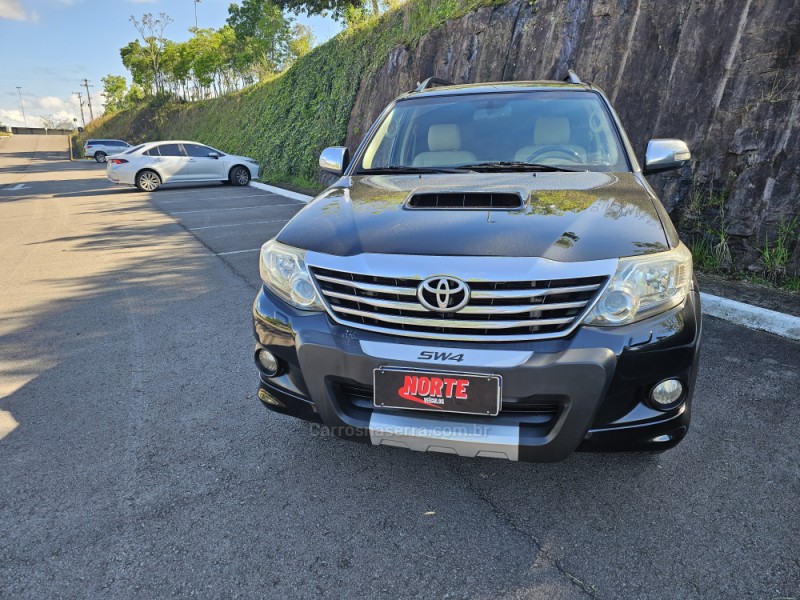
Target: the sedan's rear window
(134, 149)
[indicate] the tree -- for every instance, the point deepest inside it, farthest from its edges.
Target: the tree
(152, 31)
(263, 34)
(114, 89)
(302, 41)
(134, 96)
(334, 8)
(137, 62)
(56, 122)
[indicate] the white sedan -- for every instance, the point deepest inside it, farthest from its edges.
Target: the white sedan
(149, 166)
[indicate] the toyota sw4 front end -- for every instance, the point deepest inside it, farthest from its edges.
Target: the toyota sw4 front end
(490, 276)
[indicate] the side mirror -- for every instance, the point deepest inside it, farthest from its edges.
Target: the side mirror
(334, 159)
(213, 155)
(665, 155)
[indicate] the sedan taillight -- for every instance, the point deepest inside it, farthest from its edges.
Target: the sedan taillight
(117, 161)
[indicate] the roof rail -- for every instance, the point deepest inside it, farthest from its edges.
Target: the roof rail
(430, 82)
(572, 77)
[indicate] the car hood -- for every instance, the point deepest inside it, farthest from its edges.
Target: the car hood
(565, 217)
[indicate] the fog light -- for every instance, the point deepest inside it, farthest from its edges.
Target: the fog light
(666, 393)
(268, 362)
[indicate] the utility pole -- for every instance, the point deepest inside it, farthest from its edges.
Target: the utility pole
(88, 98)
(196, 2)
(80, 101)
(22, 106)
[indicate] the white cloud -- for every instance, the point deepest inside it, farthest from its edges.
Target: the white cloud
(13, 118)
(37, 107)
(51, 103)
(12, 9)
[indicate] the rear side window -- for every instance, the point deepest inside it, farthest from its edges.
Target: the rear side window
(171, 150)
(152, 152)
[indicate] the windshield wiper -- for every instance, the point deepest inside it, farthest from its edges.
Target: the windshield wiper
(513, 165)
(400, 169)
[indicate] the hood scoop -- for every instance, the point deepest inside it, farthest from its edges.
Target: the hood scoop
(465, 201)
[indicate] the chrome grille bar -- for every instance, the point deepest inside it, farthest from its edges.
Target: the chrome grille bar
(468, 310)
(370, 287)
(531, 293)
(425, 322)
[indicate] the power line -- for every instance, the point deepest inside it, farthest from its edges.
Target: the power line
(88, 98)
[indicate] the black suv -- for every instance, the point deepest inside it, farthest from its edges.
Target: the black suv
(490, 276)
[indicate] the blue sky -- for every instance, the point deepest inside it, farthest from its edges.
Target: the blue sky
(48, 46)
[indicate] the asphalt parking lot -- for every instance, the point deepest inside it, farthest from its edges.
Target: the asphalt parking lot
(232, 222)
(135, 460)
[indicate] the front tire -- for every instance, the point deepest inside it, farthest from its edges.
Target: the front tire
(100, 157)
(148, 181)
(239, 176)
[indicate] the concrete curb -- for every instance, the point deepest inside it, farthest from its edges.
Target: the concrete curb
(752, 317)
(739, 313)
(282, 192)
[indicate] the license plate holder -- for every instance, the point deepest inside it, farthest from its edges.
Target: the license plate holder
(436, 391)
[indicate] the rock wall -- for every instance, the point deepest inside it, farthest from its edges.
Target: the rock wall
(722, 75)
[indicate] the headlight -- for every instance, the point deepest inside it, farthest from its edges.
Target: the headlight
(644, 286)
(284, 271)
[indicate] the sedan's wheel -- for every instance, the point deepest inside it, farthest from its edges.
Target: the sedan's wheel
(100, 157)
(240, 176)
(148, 181)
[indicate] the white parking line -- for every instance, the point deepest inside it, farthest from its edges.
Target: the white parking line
(238, 252)
(186, 212)
(282, 192)
(236, 225)
(228, 197)
(752, 317)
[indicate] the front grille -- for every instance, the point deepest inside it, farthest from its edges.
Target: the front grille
(497, 311)
(469, 200)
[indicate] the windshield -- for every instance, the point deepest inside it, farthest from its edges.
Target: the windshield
(563, 130)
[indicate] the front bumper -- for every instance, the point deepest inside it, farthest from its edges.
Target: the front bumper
(588, 391)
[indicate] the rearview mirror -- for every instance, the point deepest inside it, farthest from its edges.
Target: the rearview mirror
(334, 159)
(665, 155)
(213, 154)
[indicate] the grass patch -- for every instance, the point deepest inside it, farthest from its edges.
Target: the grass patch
(775, 256)
(704, 223)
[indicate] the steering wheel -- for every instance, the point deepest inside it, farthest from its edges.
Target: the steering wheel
(568, 152)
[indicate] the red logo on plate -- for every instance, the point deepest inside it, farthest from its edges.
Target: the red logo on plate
(432, 391)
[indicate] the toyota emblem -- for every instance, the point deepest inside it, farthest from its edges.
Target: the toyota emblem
(443, 294)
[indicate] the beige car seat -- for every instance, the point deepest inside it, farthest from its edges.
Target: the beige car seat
(444, 145)
(551, 131)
